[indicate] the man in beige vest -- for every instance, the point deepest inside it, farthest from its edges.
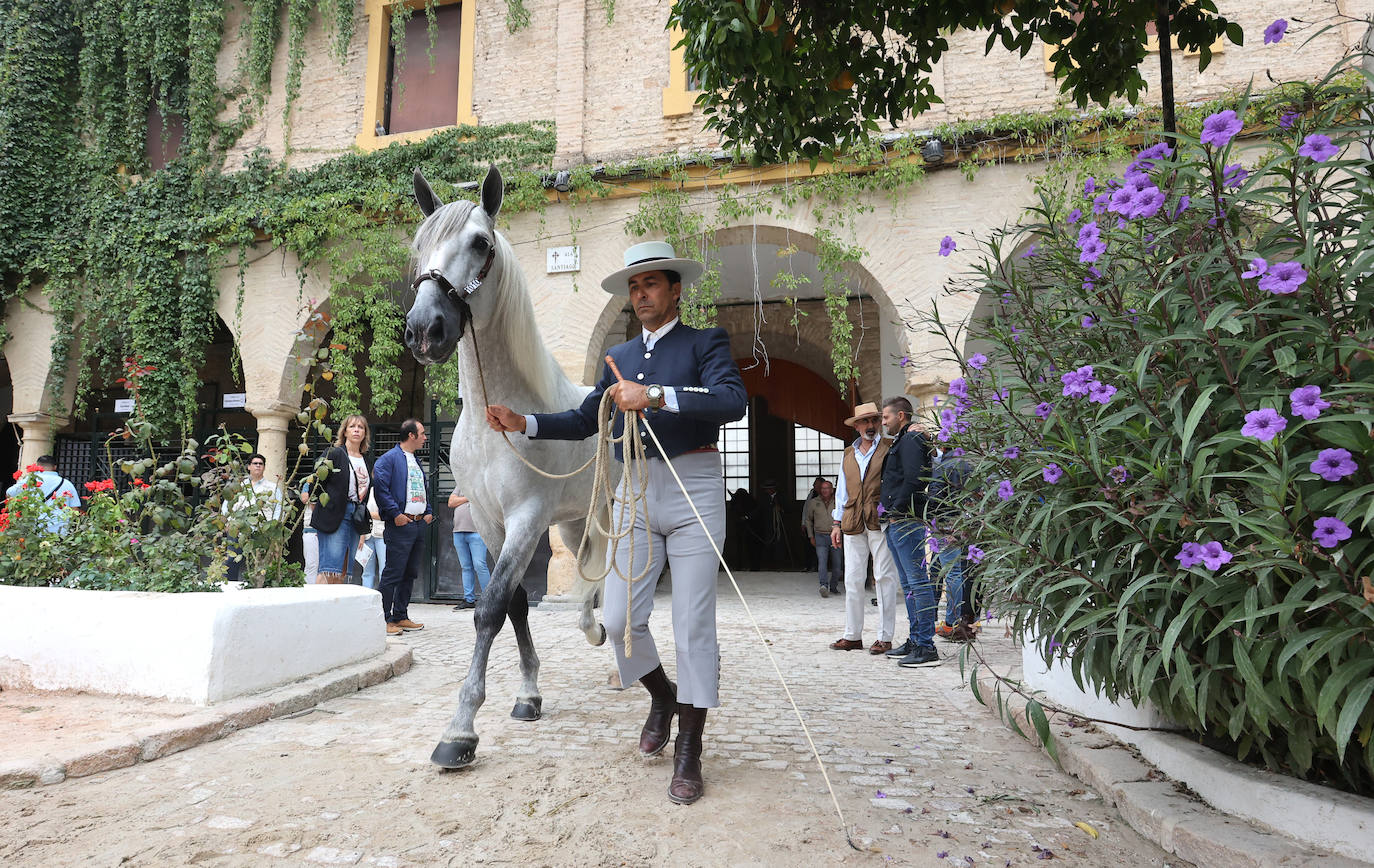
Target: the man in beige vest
(857, 522)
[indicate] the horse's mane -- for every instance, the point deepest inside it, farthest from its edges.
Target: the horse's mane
(512, 315)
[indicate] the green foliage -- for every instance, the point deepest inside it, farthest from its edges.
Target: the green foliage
(1264, 649)
(795, 78)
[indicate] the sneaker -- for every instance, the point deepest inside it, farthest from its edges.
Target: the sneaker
(409, 625)
(825, 592)
(393, 630)
(464, 604)
(903, 649)
(920, 657)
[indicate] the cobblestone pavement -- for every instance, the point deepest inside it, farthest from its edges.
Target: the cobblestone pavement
(924, 774)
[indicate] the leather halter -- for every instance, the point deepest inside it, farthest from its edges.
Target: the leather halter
(459, 294)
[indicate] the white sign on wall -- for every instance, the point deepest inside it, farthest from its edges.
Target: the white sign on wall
(564, 259)
(235, 399)
(124, 405)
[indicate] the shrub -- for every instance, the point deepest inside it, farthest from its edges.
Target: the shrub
(1171, 414)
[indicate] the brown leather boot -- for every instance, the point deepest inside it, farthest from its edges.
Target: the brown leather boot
(687, 785)
(654, 738)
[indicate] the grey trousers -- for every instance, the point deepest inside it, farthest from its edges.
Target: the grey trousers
(678, 538)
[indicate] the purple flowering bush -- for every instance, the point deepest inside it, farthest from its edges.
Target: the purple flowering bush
(1183, 493)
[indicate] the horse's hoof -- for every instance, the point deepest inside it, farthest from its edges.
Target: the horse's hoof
(601, 632)
(528, 710)
(454, 754)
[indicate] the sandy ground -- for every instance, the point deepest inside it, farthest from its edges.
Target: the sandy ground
(923, 774)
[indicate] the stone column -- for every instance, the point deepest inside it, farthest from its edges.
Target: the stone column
(273, 423)
(37, 438)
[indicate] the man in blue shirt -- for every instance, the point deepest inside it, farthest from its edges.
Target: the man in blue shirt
(57, 493)
(686, 385)
(402, 495)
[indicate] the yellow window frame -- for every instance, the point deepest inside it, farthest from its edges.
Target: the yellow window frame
(677, 99)
(378, 14)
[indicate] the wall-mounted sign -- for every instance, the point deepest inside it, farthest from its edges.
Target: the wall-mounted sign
(564, 259)
(124, 405)
(235, 399)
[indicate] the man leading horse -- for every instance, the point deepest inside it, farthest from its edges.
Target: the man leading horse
(685, 385)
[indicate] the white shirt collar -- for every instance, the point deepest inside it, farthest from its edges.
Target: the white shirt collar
(651, 338)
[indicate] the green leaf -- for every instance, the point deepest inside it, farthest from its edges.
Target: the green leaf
(1195, 415)
(1356, 704)
(1042, 729)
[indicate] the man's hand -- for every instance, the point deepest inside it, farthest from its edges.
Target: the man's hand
(835, 537)
(505, 419)
(630, 396)
(401, 520)
(429, 518)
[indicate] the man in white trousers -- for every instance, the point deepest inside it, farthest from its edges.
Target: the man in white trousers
(858, 523)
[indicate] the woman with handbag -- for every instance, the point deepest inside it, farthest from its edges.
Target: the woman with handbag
(341, 518)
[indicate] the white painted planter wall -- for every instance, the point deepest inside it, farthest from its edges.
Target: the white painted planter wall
(1315, 815)
(198, 648)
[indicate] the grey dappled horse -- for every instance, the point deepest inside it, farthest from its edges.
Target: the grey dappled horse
(468, 283)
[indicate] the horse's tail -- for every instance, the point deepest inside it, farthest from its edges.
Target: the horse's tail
(591, 563)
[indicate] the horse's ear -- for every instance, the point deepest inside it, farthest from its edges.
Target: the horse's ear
(493, 189)
(424, 195)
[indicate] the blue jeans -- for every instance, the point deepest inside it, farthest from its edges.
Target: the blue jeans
(829, 567)
(372, 570)
(472, 553)
(337, 549)
(951, 563)
(405, 547)
(907, 542)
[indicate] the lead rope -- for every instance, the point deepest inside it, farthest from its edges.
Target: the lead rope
(636, 478)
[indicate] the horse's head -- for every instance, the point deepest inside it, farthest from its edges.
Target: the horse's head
(455, 255)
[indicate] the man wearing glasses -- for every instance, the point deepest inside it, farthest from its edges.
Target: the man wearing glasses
(258, 501)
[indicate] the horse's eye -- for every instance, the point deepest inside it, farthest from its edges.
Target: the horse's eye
(480, 244)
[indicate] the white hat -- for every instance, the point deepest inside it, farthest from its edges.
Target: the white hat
(651, 256)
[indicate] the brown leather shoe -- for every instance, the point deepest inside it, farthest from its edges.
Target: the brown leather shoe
(393, 630)
(409, 625)
(663, 705)
(880, 648)
(847, 644)
(687, 785)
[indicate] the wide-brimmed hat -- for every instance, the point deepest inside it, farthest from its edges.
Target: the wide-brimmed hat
(864, 411)
(651, 256)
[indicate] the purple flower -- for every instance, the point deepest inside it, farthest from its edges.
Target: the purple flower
(1100, 392)
(947, 246)
(977, 361)
(1052, 473)
(948, 417)
(1274, 32)
(943, 854)
(1307, 402)
(1287, 119)
(1044, 409)
(1213, 555)
(1005, 490)
(1233, 176)
(1101, 202)
(1091, 251)
(1258, 267)
(1183, 202)
(1087, 322)
(1076, 383)
(1330, 532)
(975, 554)
(1089, 186)
(1012, 452)
(1283, 278)
(1118, 474)
(1074, 216)
(1090, 244)
(1145, 160)
(881, 794)
(1030, 251)
(1190, 555)
(1334, 465)
(1318, 148)
(958, 387)
(1264, 424)
(1220, 128)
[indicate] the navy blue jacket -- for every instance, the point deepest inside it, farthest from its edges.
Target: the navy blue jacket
(390, 477)
(699, 367)
(906, 469)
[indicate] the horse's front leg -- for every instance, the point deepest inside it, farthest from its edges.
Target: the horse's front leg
(528, 703)
(458, 745)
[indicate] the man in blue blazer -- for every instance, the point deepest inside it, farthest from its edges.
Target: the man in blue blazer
(402, 494)
(686, 384)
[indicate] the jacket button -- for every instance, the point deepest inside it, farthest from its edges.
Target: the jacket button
(647, 355)
(639, 376)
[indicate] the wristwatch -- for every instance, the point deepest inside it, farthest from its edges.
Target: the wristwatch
(656, 397)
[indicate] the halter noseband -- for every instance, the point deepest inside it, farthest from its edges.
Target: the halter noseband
(458, 294)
